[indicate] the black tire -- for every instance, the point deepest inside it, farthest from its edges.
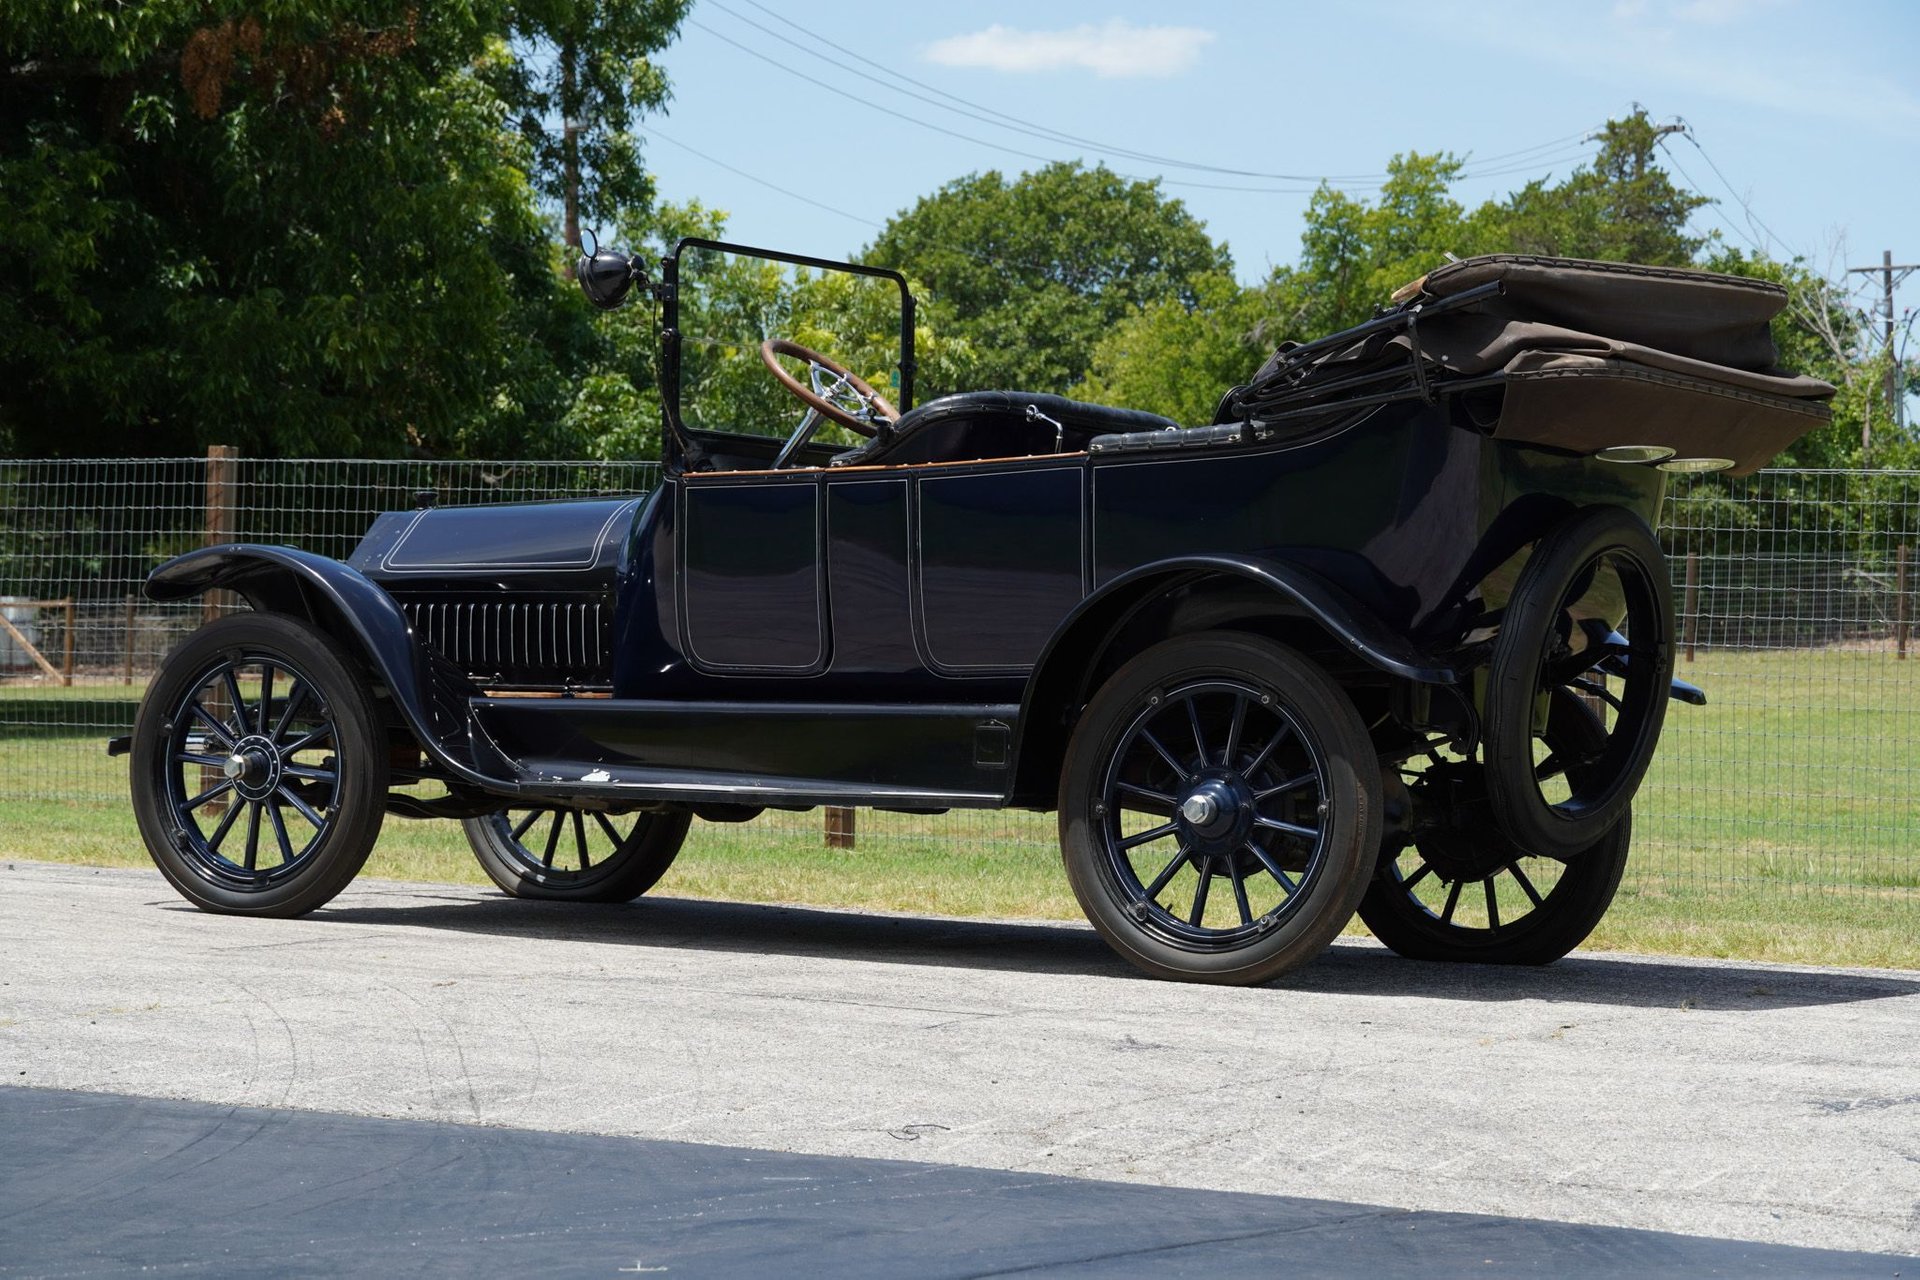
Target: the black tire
(308, 767)
(1531, 656)
(1551, 906)
(576, 855)
(1290, 818)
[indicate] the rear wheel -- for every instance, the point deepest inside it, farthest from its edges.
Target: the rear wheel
(259, 767)
(1461, 890)
(1218, 809)
(1602, 563)
(576, 855)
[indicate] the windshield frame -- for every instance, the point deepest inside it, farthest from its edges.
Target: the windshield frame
(686, 448)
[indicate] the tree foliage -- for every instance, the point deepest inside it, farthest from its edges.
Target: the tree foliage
(1175, 360)
(302, 228)
(1033, 272)
(1174, 357)
(1624, 207)
(585, 72)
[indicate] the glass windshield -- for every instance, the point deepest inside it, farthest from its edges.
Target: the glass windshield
(732, 301)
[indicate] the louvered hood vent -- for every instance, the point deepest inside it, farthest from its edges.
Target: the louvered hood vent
(519, 644)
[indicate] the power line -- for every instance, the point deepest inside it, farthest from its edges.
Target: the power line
(1745, 205)
(653, 132)
(1711, 203)
(1016, 151)
(1891, 276)
(954, 133)
(1529, 166)
(1000, 119)
(988, 115)
(965, 251)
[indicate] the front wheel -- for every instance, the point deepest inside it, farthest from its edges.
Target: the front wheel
(1218, 809)
(576, 855)
(259, 767)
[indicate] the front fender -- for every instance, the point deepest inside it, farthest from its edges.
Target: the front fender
(342, 601)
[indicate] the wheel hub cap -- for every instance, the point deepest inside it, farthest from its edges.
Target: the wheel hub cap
(1198, 809)
(1215, 810)
(253, 767)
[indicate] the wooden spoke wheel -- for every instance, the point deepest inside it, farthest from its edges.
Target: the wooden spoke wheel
(259, 767)
(1460, 889)
(1218, 809)
(1600, 564)
(576, 855)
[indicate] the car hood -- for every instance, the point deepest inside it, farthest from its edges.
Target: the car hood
(553, 540)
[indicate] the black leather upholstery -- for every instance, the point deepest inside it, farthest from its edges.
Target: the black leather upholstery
(994, 424)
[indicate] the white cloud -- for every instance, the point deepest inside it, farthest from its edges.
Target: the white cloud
(1115, 48)
(1720, 13)
(1663, 51)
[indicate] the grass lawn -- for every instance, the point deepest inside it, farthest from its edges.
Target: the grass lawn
(1780, 822)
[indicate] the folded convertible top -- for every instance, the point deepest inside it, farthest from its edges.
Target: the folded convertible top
(1566, 354)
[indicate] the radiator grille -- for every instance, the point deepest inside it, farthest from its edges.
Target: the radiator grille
(531, 643)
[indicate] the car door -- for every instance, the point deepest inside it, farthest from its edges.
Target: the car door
(753, 593)
(1000, 561)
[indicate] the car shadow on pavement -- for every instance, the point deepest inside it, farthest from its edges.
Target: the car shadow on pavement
(1350, 967)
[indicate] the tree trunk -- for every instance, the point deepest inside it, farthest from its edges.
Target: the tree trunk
(569, 141)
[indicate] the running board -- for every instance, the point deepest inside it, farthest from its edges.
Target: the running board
(572, 780)
(905, 755)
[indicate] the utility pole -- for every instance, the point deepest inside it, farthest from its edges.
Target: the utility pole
(1890, 276)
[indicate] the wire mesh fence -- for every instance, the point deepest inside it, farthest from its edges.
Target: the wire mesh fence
(1800, 776)
(1796, 594)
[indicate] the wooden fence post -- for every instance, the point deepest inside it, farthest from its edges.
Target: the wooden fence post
(27, 647)
(219, 514)
(1690, 612)
(839, 827)
(219, 529)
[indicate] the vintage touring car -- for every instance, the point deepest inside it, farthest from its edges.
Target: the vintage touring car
(1391, 634)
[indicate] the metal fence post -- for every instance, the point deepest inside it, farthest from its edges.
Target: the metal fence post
(1690, 611)
(126, 672)
(1900, 602)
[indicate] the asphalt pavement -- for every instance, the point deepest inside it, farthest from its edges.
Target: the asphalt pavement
(1762, 1104)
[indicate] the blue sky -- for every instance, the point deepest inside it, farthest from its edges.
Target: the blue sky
(1808, 110)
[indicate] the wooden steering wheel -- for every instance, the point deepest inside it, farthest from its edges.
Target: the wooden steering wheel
(837, 393)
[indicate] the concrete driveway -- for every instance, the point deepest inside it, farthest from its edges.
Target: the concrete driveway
(1742, 1101)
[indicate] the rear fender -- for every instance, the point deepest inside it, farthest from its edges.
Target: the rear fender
(430, 698)
(1081, 650)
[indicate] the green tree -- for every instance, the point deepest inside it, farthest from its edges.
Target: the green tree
(1034, 272)
(304, 229)
(1820, 334)
(584, 71)
(1621, 208)
(1355, 253)
(1176, 360)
